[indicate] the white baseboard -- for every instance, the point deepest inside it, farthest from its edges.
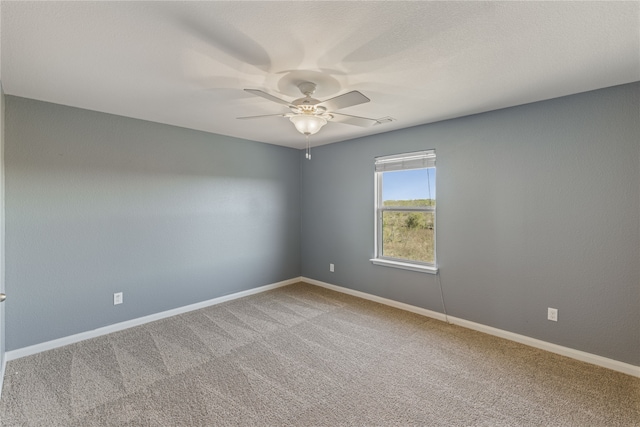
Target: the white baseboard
(583, 356)
(49, 345)
(375, 298)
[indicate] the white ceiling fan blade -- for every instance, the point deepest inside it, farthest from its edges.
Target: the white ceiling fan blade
(354, 120)
(265, 95)
(345, 100)
(263, 116)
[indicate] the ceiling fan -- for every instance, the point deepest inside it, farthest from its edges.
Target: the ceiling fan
(309, 115)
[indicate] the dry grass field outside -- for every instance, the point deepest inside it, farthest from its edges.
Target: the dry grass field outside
(408, 235)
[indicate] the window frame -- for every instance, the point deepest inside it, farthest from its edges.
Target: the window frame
(400, 162)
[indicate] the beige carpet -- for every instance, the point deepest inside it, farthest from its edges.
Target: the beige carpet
(306, 356)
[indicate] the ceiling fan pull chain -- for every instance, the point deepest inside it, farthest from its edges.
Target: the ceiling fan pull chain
(308, 153)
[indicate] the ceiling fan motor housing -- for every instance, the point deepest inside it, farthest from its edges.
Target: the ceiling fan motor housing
(307, 88)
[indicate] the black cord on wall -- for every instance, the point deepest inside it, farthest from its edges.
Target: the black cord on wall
(444, 306)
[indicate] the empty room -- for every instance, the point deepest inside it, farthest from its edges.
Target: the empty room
(319, 213)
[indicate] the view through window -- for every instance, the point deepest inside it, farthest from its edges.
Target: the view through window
(405, 208)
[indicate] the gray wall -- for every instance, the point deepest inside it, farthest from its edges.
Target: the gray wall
(538, 206)
(97, 204)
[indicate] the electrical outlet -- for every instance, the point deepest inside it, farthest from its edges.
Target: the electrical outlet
(117, 298)
(552, 314)
(331, 268)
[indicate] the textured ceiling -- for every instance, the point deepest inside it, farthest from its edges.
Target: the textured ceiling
(186, 63)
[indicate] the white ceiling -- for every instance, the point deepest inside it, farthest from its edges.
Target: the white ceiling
(186, 63)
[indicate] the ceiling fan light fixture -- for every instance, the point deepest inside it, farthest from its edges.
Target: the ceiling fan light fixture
(307, 124)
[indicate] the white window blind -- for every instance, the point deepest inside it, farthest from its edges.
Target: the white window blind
(415, 160)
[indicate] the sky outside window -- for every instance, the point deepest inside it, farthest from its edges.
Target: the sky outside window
(409, 184)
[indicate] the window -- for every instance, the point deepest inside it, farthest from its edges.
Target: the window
(406, 211)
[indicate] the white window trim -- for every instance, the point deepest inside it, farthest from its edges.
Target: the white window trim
(394, 262)
(405, 265)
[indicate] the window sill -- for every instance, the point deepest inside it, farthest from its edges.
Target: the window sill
(405, 265)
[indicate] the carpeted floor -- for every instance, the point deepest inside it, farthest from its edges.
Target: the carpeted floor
(306, 356)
